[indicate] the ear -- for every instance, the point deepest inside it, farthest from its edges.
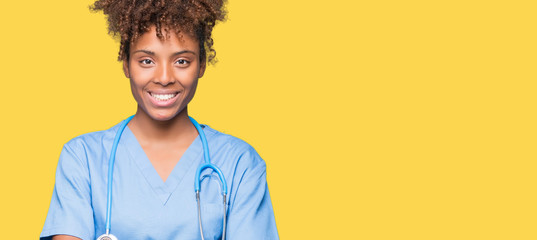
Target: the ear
(126, 68)
(202, 68)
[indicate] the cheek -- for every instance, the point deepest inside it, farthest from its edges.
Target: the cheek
(136, 89)
(139, 73)
(188, 79)
(194, 86)
(139, 78)
(191, 92)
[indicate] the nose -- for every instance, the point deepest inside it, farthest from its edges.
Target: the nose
(164, 74)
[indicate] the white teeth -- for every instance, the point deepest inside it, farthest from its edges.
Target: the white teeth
(162, 97)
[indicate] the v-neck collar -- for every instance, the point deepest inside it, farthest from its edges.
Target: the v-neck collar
(163, 190)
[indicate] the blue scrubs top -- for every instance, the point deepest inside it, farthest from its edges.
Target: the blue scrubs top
(144, 206)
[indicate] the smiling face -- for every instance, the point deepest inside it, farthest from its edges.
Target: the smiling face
(163, 73)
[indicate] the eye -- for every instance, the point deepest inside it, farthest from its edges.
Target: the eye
(182, 62)
(146, 61)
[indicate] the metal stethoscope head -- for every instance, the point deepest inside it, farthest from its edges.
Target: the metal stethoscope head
(107, 237)
(197, 181)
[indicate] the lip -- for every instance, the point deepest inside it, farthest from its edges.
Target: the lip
(165, 103)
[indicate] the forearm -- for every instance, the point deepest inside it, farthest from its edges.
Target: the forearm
(64, 237)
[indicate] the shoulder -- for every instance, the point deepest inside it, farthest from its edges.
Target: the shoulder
(229, 147)
(98, 141)
(92, 138)
(228, 141)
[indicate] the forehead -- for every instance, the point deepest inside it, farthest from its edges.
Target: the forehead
(171, 41)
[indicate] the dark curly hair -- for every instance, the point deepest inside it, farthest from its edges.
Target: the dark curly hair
(129, 19)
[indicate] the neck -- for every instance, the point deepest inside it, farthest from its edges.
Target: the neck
(172, 130)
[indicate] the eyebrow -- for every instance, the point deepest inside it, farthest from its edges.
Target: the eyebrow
(153, 53)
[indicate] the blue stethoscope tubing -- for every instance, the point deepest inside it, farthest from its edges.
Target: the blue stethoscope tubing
(197, 182)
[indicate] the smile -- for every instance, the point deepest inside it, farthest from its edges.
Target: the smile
(166, 99)
(163, 97)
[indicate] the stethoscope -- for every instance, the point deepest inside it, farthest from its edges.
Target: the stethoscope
(205, 165)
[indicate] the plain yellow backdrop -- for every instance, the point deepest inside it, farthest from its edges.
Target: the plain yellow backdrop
(377, 119)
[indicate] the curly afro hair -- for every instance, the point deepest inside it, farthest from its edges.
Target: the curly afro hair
(129, 19)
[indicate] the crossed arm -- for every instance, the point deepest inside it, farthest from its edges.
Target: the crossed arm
(64, 237)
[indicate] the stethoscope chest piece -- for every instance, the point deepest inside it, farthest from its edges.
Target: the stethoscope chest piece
(107, 237)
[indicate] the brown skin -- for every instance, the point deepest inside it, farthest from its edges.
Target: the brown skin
(155, 65)
(172, 65)
(64, 237)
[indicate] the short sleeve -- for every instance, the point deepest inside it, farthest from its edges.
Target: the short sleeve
(251, 215)
(70, 211)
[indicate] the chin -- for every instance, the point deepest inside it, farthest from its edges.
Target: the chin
(162, 116)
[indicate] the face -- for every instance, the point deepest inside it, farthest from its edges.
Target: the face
(163, 73)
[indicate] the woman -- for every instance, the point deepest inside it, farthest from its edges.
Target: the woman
(165, 45)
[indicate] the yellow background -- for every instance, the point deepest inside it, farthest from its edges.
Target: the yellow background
(377, 119)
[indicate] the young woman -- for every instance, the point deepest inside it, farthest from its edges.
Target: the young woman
(165, 45)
